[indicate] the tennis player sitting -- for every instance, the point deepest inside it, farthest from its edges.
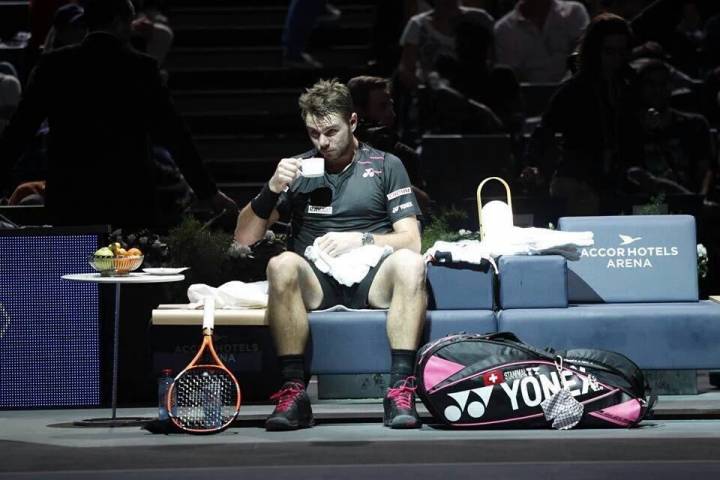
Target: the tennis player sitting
(363, 197)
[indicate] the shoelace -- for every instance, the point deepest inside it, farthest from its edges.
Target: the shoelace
(286, 396)
(402, 396)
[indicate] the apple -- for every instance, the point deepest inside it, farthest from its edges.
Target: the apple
(104, 252)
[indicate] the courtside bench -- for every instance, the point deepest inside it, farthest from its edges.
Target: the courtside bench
(634, 292)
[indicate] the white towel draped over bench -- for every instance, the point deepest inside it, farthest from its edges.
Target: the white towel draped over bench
(230, 295)
(514, 241)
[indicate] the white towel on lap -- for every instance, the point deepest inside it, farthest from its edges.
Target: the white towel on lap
(350, 267)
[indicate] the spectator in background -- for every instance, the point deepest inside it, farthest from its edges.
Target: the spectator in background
(390, 20)
(151, 31)
(585, 112)
(624, 8)
(472, 76)
(42, 13)
(104, 103)
(536, 38)
(376, 127)
(663, 149)
(301, 18)
(29, 192)
(68, 27)
(431, 34)
(10, 91)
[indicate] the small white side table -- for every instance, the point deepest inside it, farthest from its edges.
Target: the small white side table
(133, 278)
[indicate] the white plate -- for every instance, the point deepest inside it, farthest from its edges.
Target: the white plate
(164, 271)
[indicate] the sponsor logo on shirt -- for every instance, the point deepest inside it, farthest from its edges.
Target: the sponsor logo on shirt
(399, 193)
(320, 210)
(371, 172)
(403, 206)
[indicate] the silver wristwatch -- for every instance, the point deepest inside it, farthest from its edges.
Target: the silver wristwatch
(368, 238)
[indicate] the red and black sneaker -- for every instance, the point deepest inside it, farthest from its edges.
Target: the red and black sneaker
(399, 405)
(293, 409)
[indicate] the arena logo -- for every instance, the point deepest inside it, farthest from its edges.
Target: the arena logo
(228, 353)
(627, 256)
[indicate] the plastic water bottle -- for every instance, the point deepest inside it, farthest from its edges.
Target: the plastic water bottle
(164, 383)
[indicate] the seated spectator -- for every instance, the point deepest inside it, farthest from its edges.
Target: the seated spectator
(376, 121)
(302, 15)
(68, 27)
(151, 31)
(536, 38)
(472, 77)
(665, 150)
(431, 34)
(42, 13)
(585, 113)
(10, 91)
(625, 8)
(446, 110)
(29, 193)
(678, 25)
(104, 104)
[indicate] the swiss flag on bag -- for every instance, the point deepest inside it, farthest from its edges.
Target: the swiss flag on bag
(493, 377)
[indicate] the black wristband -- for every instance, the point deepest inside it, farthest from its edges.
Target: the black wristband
(264, 203)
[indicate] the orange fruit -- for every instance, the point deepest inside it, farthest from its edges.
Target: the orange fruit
(121, 252)
(134, 252)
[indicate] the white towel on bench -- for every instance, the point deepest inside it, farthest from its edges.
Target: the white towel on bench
(514, 241)
(231, 295)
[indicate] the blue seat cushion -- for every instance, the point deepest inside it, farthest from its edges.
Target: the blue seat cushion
(535, 281)
(461, 287)
(356, 342)
(653, 335)
(639, 258)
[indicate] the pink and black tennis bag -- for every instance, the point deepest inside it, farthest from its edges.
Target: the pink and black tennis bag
(495, 380)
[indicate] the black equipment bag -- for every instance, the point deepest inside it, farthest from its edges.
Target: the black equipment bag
(472, 380)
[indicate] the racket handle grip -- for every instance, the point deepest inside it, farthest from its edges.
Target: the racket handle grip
(209, 315)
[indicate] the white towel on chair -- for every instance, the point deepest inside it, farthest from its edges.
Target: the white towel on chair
(350, 267)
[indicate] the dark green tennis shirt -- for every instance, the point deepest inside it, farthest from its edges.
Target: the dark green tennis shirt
(369, 196)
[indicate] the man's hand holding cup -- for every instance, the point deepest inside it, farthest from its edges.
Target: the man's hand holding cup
(287, 170)
(290, 168)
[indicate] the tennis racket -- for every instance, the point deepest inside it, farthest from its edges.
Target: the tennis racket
(205, 396)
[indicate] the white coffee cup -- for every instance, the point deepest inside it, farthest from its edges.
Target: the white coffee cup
(312, 167)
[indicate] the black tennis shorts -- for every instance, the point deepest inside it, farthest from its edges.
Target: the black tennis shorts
(335, 293)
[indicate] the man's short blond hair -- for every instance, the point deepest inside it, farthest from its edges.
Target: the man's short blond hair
(325, 98)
